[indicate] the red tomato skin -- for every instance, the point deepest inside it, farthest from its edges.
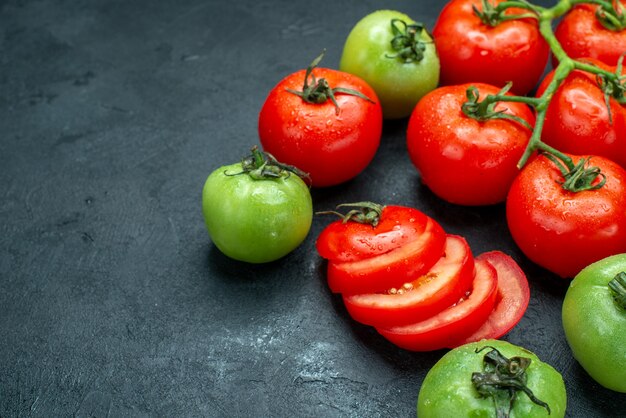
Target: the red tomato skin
(352, 241)
(577, 120)
(444, 284)
(470, 51)
(564, 231)
(391, 269)
(511, 303)
(463, 318)
(462, 160)
(582, 36)
(332, 148)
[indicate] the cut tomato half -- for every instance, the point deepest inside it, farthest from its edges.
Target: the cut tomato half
(444, 284)
(392, 269)
(512, 299)
(462, 318)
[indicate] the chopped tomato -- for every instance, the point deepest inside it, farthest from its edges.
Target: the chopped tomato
(444, 284)
(462, 318)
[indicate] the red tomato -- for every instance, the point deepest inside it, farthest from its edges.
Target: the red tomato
(331, 143)
(351, 241)
(577, 120)
(444, 284)
(463, 160)
(391, 269)
(582, 35)
(472, 51)
(462, 318)
(565, 231)
(511, 301)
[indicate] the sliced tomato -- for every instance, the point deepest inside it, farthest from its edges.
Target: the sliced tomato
(444, 284)
(391, 269)
(461, 318)
(351, 241)
(511, 301)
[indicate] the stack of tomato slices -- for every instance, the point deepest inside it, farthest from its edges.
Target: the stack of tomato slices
(422, 289)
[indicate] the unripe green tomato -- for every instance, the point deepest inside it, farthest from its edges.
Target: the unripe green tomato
(256, 220)
(368, 53)
(448, 391)
(595, 324)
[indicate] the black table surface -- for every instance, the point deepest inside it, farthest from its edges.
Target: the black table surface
(113, 300)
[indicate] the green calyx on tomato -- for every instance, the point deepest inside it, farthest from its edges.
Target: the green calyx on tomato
(492, 15)
(485, 110)
(262, 165)
(611, 17)
(364, 212)
(613, 87)
(580, 176)
(407, 41)
(618, 287)
(319, 91)
(502, 379)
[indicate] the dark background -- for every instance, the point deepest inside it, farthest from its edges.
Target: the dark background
(114, 302)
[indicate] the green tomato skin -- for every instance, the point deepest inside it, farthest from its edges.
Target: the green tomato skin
(595, 326)
(447, 390)
(256, 221)
(398, 85)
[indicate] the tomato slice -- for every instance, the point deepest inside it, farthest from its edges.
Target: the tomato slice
(391, 269)
(461, 318)
(512, 299)
(445, 283)
(351, 241)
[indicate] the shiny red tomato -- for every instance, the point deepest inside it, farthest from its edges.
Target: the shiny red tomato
(444, 284)
(578, 120)
(461, 159)
(332, 141)
(462, 318)
(511, 301)
(365, 258)
(582, 35)
(472, 51)
(565, 231)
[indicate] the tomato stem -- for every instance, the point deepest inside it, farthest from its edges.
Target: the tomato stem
(406, 41)
(319, 91)
(364, 212)
(618, 288)
(485, 110)
(502, 379)
(263, 166)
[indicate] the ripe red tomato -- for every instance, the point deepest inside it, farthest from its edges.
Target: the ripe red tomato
(577, 120)
(397, 245)
(463, 160)
(443, 285)
(511, 301)
(462, 318)
(565, 231)
(472, 51)
(332, 143)
(582, 35)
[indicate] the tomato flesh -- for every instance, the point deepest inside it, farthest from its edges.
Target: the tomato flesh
(512, 299)
(391, 269)
(462, 318)
(445, 283)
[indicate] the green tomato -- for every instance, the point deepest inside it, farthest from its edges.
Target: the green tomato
(448, 390)
(595, 323)
(395, 56)
(256, 211)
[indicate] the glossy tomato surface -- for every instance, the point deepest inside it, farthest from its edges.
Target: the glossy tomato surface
(463, 160)
(464, 317)
(582, 35)
(578, 120)
(472, 51)
(331, 144)
(448, 391)
(565, 231)
(444, 284)
(595, 323)
(369, 54)
(255, 221)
